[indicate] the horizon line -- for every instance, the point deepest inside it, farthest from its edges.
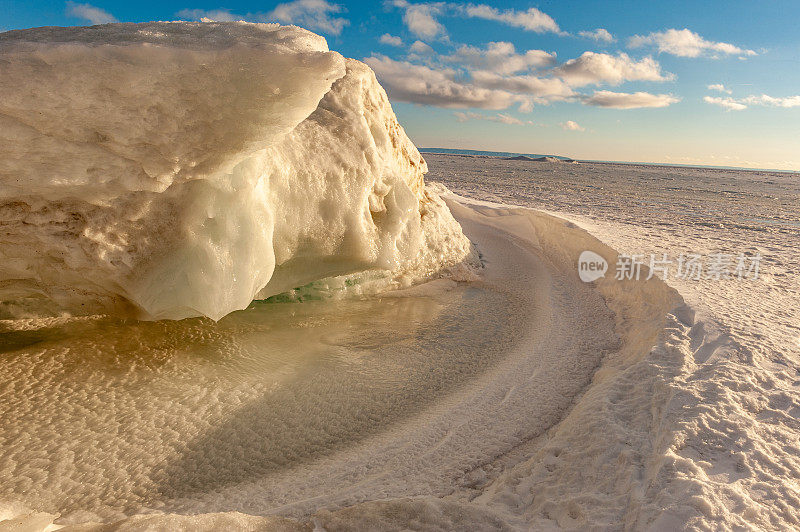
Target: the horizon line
(489, 153)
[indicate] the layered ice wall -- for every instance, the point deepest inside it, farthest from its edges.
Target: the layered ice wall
(181, 169)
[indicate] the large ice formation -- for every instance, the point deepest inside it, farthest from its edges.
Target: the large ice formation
(180, 169)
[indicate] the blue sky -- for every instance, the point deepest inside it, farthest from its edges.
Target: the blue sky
(685, 82)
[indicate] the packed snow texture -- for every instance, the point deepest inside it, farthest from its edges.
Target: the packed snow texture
(168, 170)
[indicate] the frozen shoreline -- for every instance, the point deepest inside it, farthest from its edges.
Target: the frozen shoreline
(534, 439)
(590, 419)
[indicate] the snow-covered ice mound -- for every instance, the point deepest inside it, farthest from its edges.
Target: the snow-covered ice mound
(168, 170)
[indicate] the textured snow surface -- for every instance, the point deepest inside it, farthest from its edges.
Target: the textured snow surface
(712, 423)
(168, 170)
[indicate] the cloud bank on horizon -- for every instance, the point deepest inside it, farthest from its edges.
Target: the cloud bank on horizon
(426, 59)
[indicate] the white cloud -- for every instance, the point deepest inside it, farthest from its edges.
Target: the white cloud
(569, 125)
(592, 68)
(599, 35)
(499, 117)
(500, 57)
(421, 18)
(391, 40)
(408, 82)
(311, 14)
(763, 100)
(93, 14)
(719, 87)
(497, 77)
(215, 15)
(531, 20)
(728, 103)
(421, 48)
(541, 90)
(624, 100)
(769, 101)
(686, 43)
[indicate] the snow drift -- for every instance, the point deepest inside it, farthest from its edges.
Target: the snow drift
(171, 170)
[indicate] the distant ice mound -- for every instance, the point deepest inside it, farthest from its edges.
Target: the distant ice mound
(544, 159)
(170, 170)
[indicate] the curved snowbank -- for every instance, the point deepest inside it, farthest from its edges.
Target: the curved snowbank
(179, 169)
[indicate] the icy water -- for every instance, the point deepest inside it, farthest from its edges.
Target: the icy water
(104, 416)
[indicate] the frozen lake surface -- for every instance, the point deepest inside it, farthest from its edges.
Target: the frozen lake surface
(736, 409)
